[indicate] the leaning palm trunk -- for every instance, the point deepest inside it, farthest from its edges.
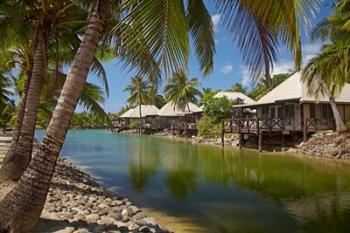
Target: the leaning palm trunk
(140, 121)
(21, 207)
(19, 120)
(339, 123)
(18, 159)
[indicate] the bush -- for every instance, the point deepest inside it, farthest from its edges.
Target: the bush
(207, 127)
(218, 109)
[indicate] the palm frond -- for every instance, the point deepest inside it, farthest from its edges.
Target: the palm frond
(202, 31)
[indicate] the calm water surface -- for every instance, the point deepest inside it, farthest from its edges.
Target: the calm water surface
(198, 188)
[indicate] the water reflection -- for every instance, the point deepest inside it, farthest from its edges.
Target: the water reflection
(142, 166)
(315, 193)
(225, 190)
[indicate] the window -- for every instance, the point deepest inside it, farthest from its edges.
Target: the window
(326, 111)
(289, 111)
(264, 111)
(312, 111)
(279, 112)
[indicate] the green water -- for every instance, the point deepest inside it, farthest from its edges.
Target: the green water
(219, 190)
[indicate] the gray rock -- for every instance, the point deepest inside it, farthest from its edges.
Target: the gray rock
(92, 218)
(66, 230)
(115, 215)
(150, 221)
(133, 209)
(82, 230)
(125, 213)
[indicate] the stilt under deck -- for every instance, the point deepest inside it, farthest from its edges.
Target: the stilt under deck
(263, 128)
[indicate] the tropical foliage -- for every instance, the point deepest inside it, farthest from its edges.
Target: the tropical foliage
(182, 90)
(215, 111)
(143, 33)
(237, 87)
(139, 90)
(327, 73)
(85, 120)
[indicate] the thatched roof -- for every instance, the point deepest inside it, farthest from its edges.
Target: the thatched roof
(170, 111)
(146, 110)
(234, 96)
(127, 113)
(294, 89)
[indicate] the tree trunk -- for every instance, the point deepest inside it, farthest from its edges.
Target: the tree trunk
(19, 120)
(339, 123)
(140, 121)
(17, 160)
(21, 207)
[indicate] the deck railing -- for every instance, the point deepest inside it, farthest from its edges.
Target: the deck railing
(256, 125)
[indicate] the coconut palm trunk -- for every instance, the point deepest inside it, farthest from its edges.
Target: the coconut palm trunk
(21, 207)
(19, 120)
(140, 121)
(18, 158)
(339, 123)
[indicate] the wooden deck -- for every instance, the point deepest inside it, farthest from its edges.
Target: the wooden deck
(259, 125)
(278, 126)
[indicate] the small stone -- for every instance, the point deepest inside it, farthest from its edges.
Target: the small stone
(66, 230)
(92, 218)
(150, 221)
(82, 230)
(125, 213)
(116, 216)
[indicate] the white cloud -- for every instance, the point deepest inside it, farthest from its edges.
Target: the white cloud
(216, 19)
(285, 66)
(282, 67)
(310, 50)
(246, 82)
(227, 69)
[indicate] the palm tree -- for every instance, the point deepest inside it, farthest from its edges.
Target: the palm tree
(47, 19)
(139, 90)
(182, 90)
(327, 73)
(156, 28)
(256, 28)
(237, 87)
(157, 99)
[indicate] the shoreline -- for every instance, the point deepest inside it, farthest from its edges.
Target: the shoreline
(76, 203)
(319, 146)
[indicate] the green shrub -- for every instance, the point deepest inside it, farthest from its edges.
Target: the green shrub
(207, 127)
(218, 109)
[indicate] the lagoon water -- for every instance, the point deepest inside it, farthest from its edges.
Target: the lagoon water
(197, 188)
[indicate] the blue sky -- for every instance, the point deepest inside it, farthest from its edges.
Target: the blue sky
(228, 68)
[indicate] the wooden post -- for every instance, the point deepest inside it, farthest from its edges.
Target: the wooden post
(172, 128)
(231, 125)
(260, 142)
(186, 134)
(240, 140)
(305, 130)
(222, 133)
(283, 142)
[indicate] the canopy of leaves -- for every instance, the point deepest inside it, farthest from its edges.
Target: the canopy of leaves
(218, 109)
(182, 90)
(331, 66)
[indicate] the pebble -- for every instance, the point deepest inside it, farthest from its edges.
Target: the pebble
(85, 207)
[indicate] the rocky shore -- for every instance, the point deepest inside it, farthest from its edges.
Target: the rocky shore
(77, 204)
(230, 139)
(327, 144)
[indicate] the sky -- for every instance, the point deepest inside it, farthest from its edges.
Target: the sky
(228, 66)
